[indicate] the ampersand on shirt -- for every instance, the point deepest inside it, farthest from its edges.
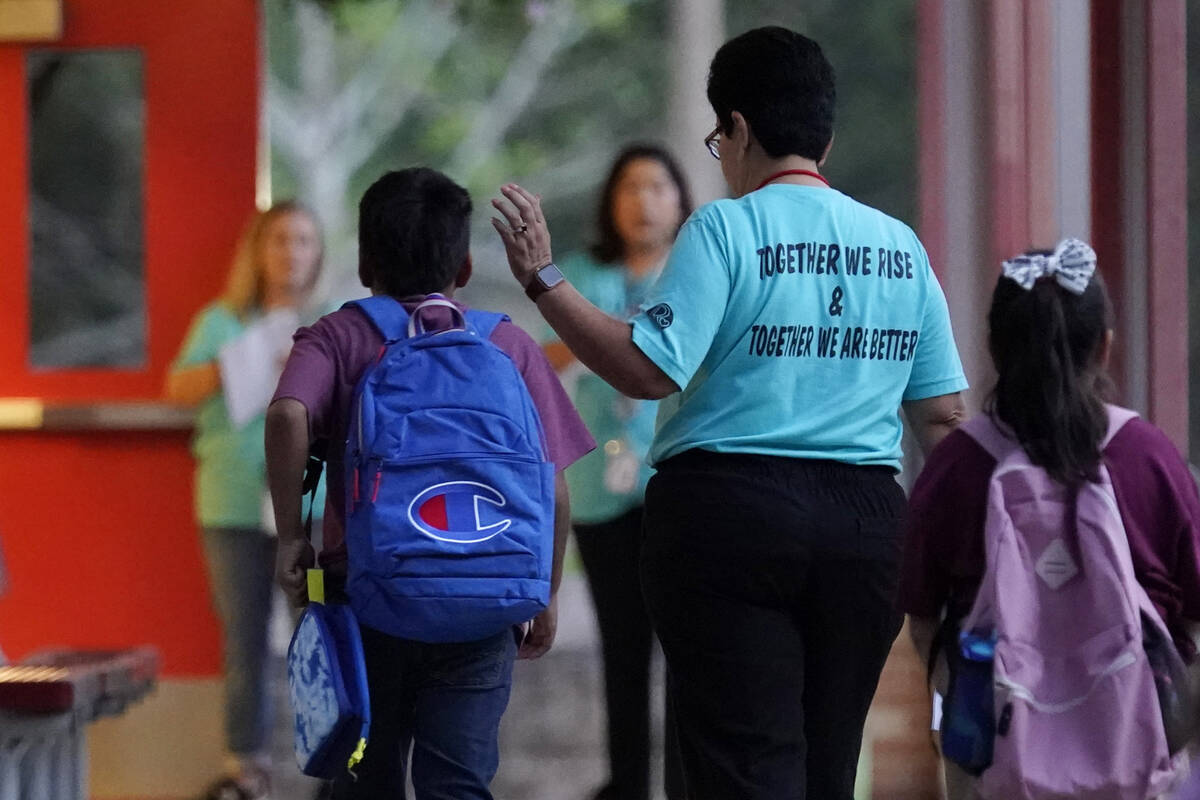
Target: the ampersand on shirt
(835, 307)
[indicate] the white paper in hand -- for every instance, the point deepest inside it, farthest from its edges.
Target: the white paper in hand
(252, 363)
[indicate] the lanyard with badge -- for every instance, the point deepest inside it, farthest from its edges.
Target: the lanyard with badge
(622, 463)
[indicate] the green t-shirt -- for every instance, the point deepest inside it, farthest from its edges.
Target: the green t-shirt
(796, 320)
(230, 461)
(612, 478)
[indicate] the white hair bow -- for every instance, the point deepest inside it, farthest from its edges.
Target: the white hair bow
(1072, 265)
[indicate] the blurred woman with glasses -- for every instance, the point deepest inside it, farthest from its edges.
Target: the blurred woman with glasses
(643, 202)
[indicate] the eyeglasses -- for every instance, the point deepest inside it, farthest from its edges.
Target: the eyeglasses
(712, 140)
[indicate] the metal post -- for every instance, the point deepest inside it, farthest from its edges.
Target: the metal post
(697, 29)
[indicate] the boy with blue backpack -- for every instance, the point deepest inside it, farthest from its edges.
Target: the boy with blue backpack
(447, 434)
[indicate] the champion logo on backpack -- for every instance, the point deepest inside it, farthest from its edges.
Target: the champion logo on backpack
(452, 512)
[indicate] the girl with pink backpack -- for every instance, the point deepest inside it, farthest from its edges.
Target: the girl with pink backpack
(1051, 561)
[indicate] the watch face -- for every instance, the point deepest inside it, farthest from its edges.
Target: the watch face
(550, 275)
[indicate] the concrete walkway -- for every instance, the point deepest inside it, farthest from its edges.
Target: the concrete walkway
(551, 741)
(552, 738)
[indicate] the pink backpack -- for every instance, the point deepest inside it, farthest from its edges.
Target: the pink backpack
(1076, 709)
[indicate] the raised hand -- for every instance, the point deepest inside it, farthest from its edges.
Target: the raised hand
(523, 230)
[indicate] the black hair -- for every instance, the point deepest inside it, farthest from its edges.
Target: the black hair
(1046, 343)
(609, 247)
(414, 229)
(782, 84)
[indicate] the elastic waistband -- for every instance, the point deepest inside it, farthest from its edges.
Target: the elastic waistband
(816, 468)
(781, 482)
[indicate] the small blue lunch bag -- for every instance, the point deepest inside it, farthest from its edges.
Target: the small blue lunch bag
(327, 680)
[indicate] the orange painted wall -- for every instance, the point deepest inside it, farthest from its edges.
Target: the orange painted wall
(97, 526)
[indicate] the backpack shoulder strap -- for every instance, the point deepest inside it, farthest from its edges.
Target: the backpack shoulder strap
(484, 322)
(984, 430)
(1117, 417)
(386, 313)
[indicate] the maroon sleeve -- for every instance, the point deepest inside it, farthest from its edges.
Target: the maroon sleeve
(1161, 510)
(567, 438)
(943, 558)
(1187, 548)
(309, 376)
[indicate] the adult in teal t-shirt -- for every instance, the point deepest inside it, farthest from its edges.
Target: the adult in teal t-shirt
(273, 272)
(797, 321)
(644, 201)
(789, 328)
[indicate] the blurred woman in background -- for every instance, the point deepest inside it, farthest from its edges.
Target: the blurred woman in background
(644, 201)
(274, 270)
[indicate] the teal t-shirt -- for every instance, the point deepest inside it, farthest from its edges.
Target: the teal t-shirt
(611, 479)
(796, 320)
(230, 461)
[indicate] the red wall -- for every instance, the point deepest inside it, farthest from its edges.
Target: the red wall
(97, 526)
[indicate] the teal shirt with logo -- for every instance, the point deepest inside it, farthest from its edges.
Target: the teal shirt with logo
(611, 479)
(796, 320)
(230, 480)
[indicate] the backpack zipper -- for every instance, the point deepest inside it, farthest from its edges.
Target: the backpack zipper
(454, 456)
(378, 477)
(1126, 659)
(360, 425)
(381, 463)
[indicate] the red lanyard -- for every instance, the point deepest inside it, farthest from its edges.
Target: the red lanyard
(778, 175)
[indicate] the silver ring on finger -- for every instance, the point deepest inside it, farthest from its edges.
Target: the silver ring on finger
(521, 229)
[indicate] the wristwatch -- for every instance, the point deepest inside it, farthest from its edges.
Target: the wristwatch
(543, 280)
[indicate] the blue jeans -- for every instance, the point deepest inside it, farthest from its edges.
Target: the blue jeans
(445, 700)
(241, 568)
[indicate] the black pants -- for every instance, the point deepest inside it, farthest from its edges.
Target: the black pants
(771, 584)
(610, 552)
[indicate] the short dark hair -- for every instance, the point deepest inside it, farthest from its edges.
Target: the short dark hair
(782, 84)
(414, 230)
(1050, 385)
(609, 247)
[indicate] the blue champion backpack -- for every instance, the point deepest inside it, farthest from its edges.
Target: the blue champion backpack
(450, 493)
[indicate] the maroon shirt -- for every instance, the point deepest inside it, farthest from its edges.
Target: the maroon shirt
(324, 368)
(943, 551)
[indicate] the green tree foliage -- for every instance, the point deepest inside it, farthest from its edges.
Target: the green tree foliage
(545, 92)
(872, 46)
(489, 92)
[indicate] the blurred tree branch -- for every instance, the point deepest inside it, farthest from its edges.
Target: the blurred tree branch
(351, 93)
(486, 91)
(556, 30)
(382, 104)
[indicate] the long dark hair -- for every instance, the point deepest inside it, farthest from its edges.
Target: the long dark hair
(1046, 343)
(609, 247)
